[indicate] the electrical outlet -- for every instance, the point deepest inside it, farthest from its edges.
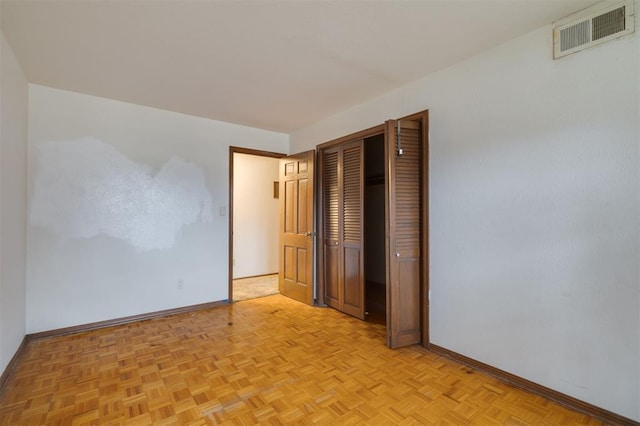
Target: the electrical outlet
(180, 285)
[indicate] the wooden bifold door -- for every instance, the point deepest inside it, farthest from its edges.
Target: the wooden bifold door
(342, 171)
(405, 213)
(342, 235)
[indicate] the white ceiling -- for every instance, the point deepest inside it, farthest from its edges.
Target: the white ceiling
(272, 65)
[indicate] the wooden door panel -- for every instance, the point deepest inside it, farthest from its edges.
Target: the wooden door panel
(301, 261)
(296, 277)
(353, 296)
(304, 224)
(331, 227)
(353, 282)
(331, 275)
(289, 265)
(342, 227)
(404, 250)
(296, 226)
(303, 165)
(290, 166)
(290, 206)
(408, 271)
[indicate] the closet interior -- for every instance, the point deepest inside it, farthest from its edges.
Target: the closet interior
(375, 271)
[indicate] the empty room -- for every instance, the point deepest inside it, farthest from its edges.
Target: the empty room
(439, 200)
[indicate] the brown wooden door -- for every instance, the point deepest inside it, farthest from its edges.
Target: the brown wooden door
(331, 207)
(343, 219)
(297, 196)
(405, 208)
(352, 229)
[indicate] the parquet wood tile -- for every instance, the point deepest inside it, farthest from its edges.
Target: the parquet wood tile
(268, 361)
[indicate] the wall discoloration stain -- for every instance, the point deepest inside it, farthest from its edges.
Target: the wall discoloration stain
(85, 187)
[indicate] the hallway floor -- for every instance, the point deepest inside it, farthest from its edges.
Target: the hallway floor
(253, 287)
(268, 360)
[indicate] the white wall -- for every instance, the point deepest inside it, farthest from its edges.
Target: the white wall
(534, 209)
(127, 208)
(13, 202)
(255, 216)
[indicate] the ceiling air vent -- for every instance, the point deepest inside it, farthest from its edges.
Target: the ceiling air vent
(592, 26)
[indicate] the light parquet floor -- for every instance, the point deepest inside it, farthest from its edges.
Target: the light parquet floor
(269, 361)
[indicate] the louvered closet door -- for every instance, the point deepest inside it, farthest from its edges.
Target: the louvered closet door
(352, 229)
(331, 226)
(343, 197)
(404, 266)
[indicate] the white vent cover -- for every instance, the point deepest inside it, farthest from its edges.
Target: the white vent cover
(597, 24)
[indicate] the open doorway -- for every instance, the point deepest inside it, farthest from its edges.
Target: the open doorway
(253, 223)
(375, 271)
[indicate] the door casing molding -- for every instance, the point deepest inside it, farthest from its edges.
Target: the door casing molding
(238, 150)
